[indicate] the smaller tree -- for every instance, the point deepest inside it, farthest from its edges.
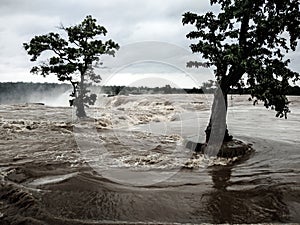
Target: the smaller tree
(74, 58)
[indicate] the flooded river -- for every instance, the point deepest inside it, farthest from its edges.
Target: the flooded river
(128, 164)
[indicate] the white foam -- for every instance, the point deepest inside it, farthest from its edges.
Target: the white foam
(51, 179)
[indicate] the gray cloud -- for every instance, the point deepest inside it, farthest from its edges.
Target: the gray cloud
(126, 21)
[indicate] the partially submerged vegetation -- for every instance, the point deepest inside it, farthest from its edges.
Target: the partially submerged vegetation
(73, 58)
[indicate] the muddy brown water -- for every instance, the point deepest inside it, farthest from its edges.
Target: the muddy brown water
(130, 165)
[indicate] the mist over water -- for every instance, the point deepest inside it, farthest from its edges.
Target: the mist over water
(22, 93)
(57, 98)
(129, 164)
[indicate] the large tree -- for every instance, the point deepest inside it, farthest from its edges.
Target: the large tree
(246, 42)
(73, 58)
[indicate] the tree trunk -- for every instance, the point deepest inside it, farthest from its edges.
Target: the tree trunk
(216, 130)
(80, 111)
(74, 92)
(218, 115)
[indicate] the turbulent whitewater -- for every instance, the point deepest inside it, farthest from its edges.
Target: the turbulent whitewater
(128, 163)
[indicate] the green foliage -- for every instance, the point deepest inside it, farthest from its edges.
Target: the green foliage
(249, 37)
(77, 54)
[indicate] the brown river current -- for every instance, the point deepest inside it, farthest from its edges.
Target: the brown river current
(129, 165)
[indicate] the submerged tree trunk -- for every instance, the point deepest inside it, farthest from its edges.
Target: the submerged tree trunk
(216, 130)
(218, 116)
(80, 111)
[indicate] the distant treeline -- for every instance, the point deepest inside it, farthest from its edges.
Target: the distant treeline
(21, 92)
(295, 90)
(167, 89)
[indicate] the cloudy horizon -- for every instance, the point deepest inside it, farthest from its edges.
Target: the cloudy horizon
(127, 22)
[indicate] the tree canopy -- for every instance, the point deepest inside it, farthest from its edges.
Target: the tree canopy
(73, 58)
(246, 41)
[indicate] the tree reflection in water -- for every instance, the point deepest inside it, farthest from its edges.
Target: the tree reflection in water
(263, 202)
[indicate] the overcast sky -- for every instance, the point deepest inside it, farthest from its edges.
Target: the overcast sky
(134, 24)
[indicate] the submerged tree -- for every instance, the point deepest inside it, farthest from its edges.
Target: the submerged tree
(248, 39)
(73, 58)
